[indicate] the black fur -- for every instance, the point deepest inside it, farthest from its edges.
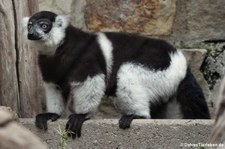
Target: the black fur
(73, 62)
(44, 15)
(191, 99)
(153, 53)
(85, 58)
(43, 21)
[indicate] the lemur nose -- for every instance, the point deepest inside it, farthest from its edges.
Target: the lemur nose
(33, 36)
(30, 36)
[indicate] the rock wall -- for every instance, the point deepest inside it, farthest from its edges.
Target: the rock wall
(173, 20)
(150, 17)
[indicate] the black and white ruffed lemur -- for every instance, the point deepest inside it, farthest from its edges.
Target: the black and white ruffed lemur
(79, 68)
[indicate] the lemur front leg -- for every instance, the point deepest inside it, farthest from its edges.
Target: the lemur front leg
(86, 97)
(55, 106)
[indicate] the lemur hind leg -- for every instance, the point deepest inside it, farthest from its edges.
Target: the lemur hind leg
(133, 105)
(132, 96)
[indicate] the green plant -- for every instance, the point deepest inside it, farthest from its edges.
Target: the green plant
(63, 137)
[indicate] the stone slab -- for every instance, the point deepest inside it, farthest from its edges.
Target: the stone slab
(143, 134)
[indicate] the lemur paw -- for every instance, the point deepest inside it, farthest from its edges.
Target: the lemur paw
(41, 119)
(74, 125)
(126, 120)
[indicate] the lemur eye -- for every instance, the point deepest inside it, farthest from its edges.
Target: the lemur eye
(44, 26)
(29, 26)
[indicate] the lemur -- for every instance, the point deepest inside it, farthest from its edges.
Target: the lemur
(79, 68)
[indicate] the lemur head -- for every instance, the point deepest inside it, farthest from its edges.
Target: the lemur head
(46, 27)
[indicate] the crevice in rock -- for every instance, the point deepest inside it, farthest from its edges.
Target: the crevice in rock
(213, 65)
(215, 41)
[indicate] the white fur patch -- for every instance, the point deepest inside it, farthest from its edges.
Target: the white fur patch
(138, 85)
(107, 48)
(172, 110)
(24, 24)
(54, 99)
(87, 95)
(61, 21)
(57, 34)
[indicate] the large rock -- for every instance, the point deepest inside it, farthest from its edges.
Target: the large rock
(205, 19)
(214, 70)
(214, 63)
(198, 21)
(218, 133)
(77, 15)
(151, 17)
(15, 136)
(59, 6)
(7, 115)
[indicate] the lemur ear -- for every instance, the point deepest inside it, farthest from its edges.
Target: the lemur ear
(24, 22)
(61, 21)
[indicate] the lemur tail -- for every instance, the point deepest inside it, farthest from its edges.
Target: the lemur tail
(191, 98)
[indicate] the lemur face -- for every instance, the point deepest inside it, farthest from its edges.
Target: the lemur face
(39, 25)
(45, 26)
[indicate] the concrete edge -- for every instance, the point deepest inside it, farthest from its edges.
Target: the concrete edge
(104, 133)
